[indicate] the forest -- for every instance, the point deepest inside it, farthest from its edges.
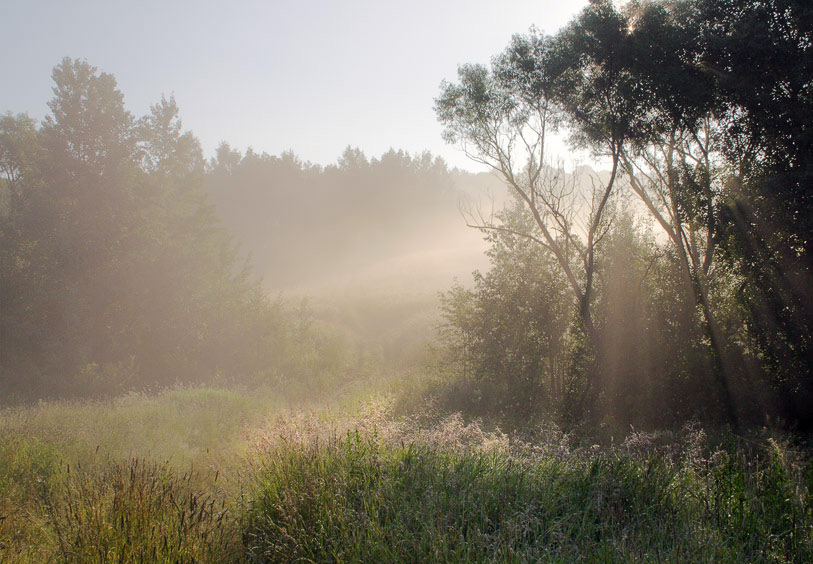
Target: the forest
(256, 358)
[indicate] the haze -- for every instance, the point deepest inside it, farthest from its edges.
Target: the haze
(465, 281)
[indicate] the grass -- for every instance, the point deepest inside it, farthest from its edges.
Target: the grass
(137, 511)
(180, 423)
(364, 498)
(101, 441)
(131, 481)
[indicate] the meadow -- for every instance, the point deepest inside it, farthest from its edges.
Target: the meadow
(215, 475)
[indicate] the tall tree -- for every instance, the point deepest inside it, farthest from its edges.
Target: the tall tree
(501, 118)
(761, 56)
(675, 164)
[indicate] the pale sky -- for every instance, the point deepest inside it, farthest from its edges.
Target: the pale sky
(310, 76)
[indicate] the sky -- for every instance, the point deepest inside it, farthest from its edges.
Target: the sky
(309, 76)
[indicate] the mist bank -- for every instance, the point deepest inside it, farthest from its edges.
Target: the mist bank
(392, 220)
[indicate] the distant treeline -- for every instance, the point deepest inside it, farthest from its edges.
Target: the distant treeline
(115, 272)
(677, 285)
(303, 222)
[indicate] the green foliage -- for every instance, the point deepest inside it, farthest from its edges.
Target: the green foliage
(115, 493)
(759, 53)
(27, 465)
(388, 490)
(513, 350)
(508, 335)
(705, 106)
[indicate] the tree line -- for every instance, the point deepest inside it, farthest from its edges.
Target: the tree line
(675, 286)
(116, 273)
(303, 222)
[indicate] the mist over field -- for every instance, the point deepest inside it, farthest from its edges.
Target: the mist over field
(467, 282)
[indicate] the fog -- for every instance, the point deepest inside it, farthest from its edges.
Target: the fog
(391, 220)
(425, 282)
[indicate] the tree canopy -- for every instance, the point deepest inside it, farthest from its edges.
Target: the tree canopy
(703, 110)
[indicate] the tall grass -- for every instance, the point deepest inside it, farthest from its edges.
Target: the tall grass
(366, 498)
(136, 511)
(99, 441)
(179, 423)
(372, 487)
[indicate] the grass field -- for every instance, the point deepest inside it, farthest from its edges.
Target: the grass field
(207, 475)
